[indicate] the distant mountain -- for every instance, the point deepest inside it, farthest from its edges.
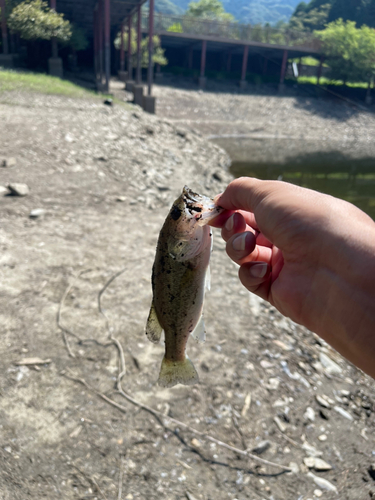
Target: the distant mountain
(246, 11)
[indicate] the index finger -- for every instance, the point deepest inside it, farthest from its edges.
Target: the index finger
(245, 193)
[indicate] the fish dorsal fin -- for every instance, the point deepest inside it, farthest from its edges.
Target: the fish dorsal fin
(199, 332)
(153, 327)
(207, 280)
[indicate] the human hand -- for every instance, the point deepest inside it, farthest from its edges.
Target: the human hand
(310, 255)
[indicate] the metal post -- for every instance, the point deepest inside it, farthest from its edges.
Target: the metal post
(100, 40)
(130, 69)
(244, 62)
(283, 67)
(150, 45)
(320, 68)
(122, 54)
(107, 42)
(4, 28)
(203, 57)
(139, 40)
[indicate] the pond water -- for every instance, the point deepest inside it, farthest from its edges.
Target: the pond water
(347, 182)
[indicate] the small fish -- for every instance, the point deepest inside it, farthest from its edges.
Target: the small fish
(179, 276)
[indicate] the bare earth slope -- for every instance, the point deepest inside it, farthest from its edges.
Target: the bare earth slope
(105, 177)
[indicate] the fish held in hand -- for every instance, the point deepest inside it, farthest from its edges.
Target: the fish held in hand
(179, 276)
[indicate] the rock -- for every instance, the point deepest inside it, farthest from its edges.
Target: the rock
(121, 198)
(280, 424)
(273, 384)
(323, 401)
(18, 189)
(316, 463)
(261, 447)
(311, 450)
(36, 213)
(330, 366)
(322, 483)
(108, 102)
(3, 190)
(9, 163)
(322, 437)
(318, 493)
(294, 467)
(309, 414)
(265, 364)
(217, 176)
(69, 138)
(371, 471)
(343, 412)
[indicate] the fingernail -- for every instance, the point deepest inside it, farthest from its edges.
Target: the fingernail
(239, 242)
(230, 223)
(259, 270)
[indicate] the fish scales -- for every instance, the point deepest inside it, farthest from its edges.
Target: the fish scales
(179, 277)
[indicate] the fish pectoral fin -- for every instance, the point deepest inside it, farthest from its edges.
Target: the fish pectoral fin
(199, 332)
(177, 372)
(153, 327)
(208, 279)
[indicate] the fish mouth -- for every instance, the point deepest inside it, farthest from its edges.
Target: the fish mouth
(201, 207)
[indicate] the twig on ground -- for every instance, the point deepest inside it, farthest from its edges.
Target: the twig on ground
(91, 480)
(162, 417)
(65, 330)
(119, 496)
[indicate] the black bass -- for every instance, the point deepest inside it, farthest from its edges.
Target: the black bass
(179, 277)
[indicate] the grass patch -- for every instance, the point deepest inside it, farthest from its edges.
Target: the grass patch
(38, 82)
(313, 80)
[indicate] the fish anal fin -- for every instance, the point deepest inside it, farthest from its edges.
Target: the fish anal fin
(153, 327)
(177, 372)
(199, 332)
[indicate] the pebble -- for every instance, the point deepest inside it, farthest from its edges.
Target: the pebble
(343, 412)
(329, 365)
(265, 364)
(3, 190)
(322, 437)
(36, 213)
(121, 198)
(18, 189)
(318, 493)
(280, 424)
(9, 163)
(311, 450)
(322, 483)
(309, 414)
(273, 384)
(322, 400)
(316, 463)
(261, 447)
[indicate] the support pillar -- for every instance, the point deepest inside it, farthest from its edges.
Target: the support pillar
(130, 66)
(101, 39)
(149, 100)
(244, 67)
(320, 69)
(107, 42)
(283, 71)
(4, 29)
(122, 53)
(229, 61)
(139, 39)
(6, 59)
(202, 78)
(96, 45)
(190, 58)
(55, 62)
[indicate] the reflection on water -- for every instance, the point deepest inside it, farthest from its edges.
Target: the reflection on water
(351, 185)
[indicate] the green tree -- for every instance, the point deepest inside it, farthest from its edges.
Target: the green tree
(158, 55)
(34, 20)
(308, 19)
(349, 50)
(209, 9)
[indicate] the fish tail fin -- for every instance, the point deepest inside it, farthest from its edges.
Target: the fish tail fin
(177, 372)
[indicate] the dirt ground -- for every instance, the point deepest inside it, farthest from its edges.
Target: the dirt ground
(105, 177)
